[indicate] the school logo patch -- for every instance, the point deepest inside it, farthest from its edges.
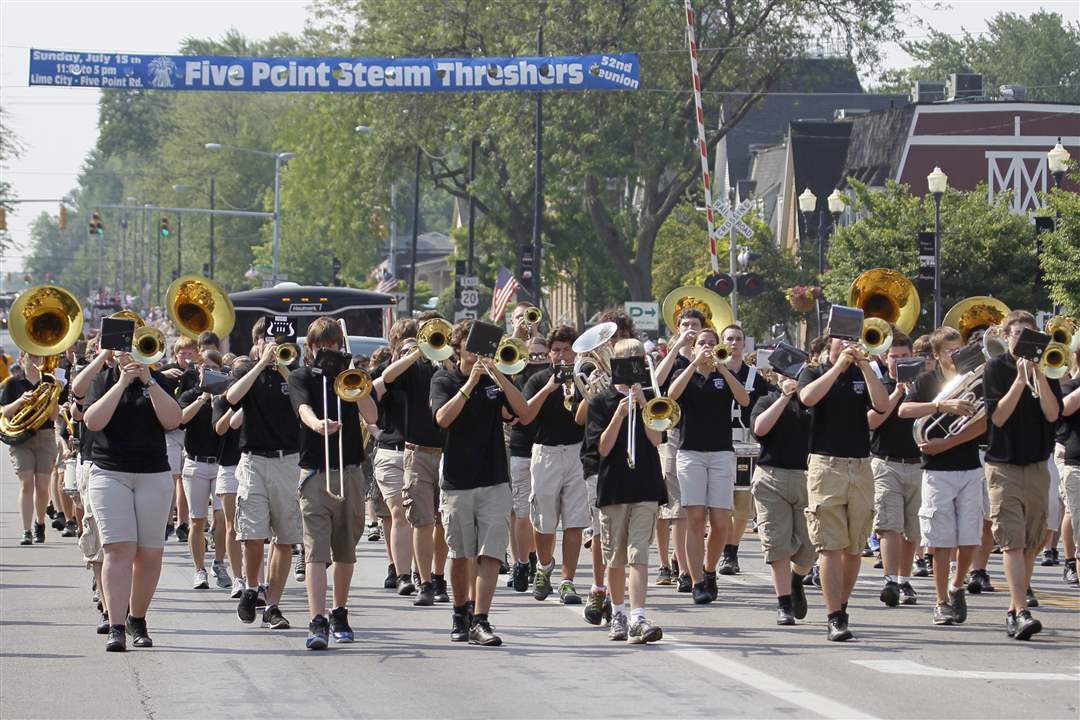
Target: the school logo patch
(284, 388)
(146, 392)
(859, 387)
(719, 383)
(492, 391)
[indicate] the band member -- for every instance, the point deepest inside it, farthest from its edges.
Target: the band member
(840, 483)
(897, 482)
(951, 514)
(185, 353)
(734, 337)
(520, 327)
(1069, 452)
(782, 425)
(266, 500)
(558, 483)
(468, 401)
(706, 459)
(331, 526)
(1021, 438)
(628, 499)
(130, 490)
(519, 440)
(33, 459)
(411, 375)
(227, 421)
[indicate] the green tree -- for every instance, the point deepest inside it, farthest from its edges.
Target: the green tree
(11, 147)
(1061, 249)
(986, 249)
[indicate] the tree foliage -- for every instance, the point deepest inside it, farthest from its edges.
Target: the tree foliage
(1061, 249)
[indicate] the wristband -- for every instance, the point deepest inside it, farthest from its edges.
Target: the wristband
(463, 393)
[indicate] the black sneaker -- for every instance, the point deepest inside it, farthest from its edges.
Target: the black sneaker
(814, 577)
(920, 569)
(459, 631)
(728, 564)
(318, 633)
(405, 585)
(299, 567)
(70, 529)
(710, 585)
(542, 586)
(908, 596)
(867, 551)
(1068, 575)
(39, 532)
(339, 625)
(103, 626)
(975, 584)
(426, 596)
(890, 594)
(245, 609)
(481, 633)
(1047, 556)
(784, 615)
(643, 632)
(1026, 626)
(958, 600)
(273, 618)
(438, 584)
(929, 558)
(519, 578)
(837, 630)
(27, 538)
(685, 583)
(532, 567)
(674, 566)
(136, 628)
(701, 594)
(504, 566)
(944, 614)
(664, 578)
(798, 596)
(117, 641)
(415, 578)
(1057, 557)
(182, 532)
(169, 529)
(50, 511)
(390, 583)
(260, 596)
(594, 607)
(59, 522)
(878, 562)
(1030, 600)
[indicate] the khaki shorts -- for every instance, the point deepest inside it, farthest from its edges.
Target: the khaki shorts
(420, 493)
(897, 497)
(742, 507)
(130, 507)
(1018, 495)
(673, 510)
(266, 500)
(199, 479)
(174, 446)
(378, 503)
(90, 542)
(225, 483)
(477, 521)
(594, 512)
(626, 532)
(36, 455)
(558, 489)
(331, 527)
(389, 469)
(1070, 483)
(780, 497)
(520, 485)
(840, 502)
(1055, 506)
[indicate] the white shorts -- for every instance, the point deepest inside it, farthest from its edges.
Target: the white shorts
(706, 478)
(594, 512)
(1055, 508)
(520, 485)
(951, 514)
(130, 507)
(199, 479)
(558, 489)
(226, 483)
(174, 445)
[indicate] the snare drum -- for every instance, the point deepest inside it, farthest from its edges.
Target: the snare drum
(746, 455)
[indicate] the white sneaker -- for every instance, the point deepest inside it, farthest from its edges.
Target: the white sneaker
(201, 581)
(238, 587)
(222, 575)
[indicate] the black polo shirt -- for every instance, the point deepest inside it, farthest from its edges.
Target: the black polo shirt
(554, 424)
(1069, 427)
(133, 441)
(13, 388)
(896, 436)
(1026, 437)
(673, 437)
(229, 454)
(617, 482)
(706, 413)
(415, 385)
(393, 408)
(788, 443)
(838, 424)
(270, 424)
(962, 457)
(200, 440)
(306, 388)
(171, 386)
(474, 451)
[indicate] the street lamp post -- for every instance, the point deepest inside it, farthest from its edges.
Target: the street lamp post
(180, 187)
(937, 182)
(807, 205)
(1058, 161)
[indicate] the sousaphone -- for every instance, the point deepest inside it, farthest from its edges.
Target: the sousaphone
(197, 304)
(978, 312)
(886, 294)
(717, 310)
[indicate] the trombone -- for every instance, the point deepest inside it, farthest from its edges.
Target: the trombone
(286, 353)
(876, 337)
(511, 356)
(350, 385)
(433, 339)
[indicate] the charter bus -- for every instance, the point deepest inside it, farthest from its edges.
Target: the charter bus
(365, 312)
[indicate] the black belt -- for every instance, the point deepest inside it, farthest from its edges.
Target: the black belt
(271, 453)
(902, 461)
(396, 447)
(209, 459)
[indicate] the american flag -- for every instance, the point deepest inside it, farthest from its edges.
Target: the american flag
(506, 286)
(387, 281)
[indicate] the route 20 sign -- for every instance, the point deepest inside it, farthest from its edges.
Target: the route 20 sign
(646, 315)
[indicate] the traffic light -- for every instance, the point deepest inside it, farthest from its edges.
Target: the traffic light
(720, 283)
(63, 217)
(165, 232)
(335, 265)
(3, 219)
(96, 226)
(749, 284)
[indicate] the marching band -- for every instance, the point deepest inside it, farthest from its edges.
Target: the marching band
(481, 447)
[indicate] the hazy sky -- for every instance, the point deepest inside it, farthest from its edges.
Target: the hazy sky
(59, 126)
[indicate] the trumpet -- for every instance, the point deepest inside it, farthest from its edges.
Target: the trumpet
(433, 339)
(285, 354)
(147, 345)
(1064, 330)
(511, 356)
(876, 337)
(533, 316)
(718, 354)
(568, 391)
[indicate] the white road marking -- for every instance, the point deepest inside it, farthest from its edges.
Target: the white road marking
(909, 667)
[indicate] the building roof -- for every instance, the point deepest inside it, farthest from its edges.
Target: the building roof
(877, 144)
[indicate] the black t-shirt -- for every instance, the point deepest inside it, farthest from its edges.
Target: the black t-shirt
(170, 385)
(306, 388)
(706, 413)
(474, 451)
(740, 416)
(1069, 431)
(415, 385)
(838, 424)
(270, 424)
(520, 437)
(200, 440)
(133, 440)
(393, 408)
(189, 380)
(788, 443)
(895, 437)
(554, 424)
(12, 390)
(617, 482)
(1026, 437)
(229, 454)
(962, 457)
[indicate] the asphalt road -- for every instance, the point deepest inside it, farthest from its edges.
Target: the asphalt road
(728, 659)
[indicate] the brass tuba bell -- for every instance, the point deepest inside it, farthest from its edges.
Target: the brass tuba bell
(197, 304)
(975, 313)
(886, 294)
(433, 339)
(147, 345)
(511, 356)
(717, 310)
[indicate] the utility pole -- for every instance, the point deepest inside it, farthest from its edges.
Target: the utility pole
(212, 253)
(538, 183)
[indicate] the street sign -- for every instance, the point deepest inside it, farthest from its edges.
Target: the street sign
(470, 281)
(465, 315)
(733, 217)
(646, 315)
(470, 298)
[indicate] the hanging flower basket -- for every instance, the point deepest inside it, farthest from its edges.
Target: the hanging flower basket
(803, 298)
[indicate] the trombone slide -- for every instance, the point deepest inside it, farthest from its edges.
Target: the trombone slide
(326, 447)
